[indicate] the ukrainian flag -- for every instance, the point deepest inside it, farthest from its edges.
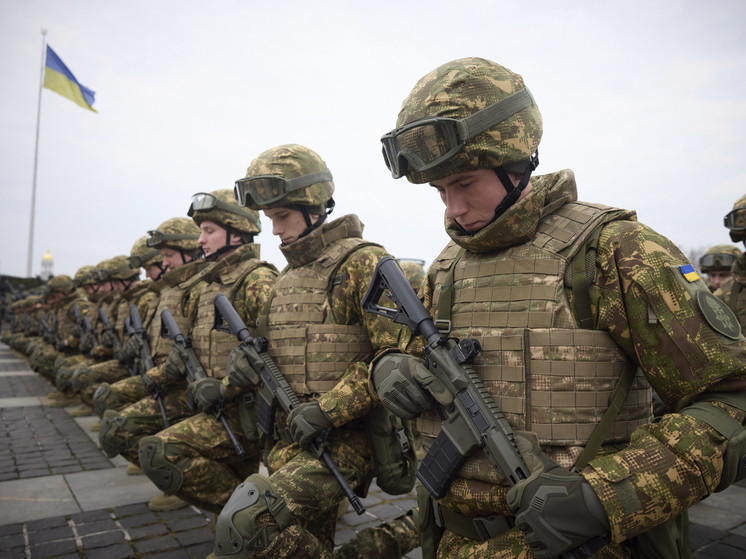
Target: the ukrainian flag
(60, 79)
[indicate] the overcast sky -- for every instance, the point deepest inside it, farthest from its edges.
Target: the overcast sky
(644, 100)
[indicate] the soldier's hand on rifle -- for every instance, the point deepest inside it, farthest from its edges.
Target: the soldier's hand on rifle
(306, 422)
(240, 373)
(175, 367)
(401, 381)
(556, 509)
(86, 343)
(131, 349)
(150, 385)
(207, 391)
(107, 339)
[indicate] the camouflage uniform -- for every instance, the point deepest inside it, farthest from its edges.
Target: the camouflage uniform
(195, 459)
(322, 342)
(128, 411)
(551, 360)
(733, 289)
(717, 262)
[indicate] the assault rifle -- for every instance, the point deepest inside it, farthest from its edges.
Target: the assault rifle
(274, 390)
(474, 421)
(104, 319)
(135, 328)
(49, 335)
(84, 324)
(195, 371)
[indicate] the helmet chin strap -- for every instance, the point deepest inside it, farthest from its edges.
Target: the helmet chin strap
(514, 191)
(225, 248)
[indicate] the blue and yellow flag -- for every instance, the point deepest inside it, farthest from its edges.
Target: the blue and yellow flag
(60, 79)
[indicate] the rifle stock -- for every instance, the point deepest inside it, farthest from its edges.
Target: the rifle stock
(195, 371)
(146, 357)
(104, 318)
(274, 390)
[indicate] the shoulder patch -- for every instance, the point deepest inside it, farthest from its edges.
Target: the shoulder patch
(718, 315)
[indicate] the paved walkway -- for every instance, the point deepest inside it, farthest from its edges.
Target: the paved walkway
(61, 498)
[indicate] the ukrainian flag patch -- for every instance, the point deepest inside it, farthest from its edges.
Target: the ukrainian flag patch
(689, 273)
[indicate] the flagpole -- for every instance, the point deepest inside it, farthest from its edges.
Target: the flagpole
(36, 155)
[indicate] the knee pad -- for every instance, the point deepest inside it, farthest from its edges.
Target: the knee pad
(167, 475)
(238, 531)
(83, 376)
(104, 399)
(63, 379)
(115, 433)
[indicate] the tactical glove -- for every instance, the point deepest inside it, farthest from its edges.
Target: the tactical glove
(107, 339)
(131, 349)
(240, 373)
(150, 385)
(557, 510)
(306, 422)
(207, 391)
(175, 367)
(86, 343)
(401, 380)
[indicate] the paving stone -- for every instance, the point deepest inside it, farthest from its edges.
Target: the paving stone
(201, 535)
(147, 531)
(51, 549)
(119, 551)
(156, 544)
(105, 539)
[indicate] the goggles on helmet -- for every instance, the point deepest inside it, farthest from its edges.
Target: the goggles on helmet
(203, 201)
(265, 189)
(137, 261)
(102, 274)
(736, 220)
(428, 142)
(157, 238)
(723, 260)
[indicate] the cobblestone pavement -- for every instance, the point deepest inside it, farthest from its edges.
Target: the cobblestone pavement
(61, 498)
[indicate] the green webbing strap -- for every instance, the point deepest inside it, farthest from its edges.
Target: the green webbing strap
(580, 284)
(497, 112)
(445, 298)
(618, 395)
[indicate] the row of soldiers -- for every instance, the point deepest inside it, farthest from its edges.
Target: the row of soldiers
(525, 368)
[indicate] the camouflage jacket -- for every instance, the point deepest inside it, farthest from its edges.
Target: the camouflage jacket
(350, 398)
(662, 317)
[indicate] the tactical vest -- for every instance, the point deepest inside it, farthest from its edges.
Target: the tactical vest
(172, 298)
(735, 298)
(129, 298)
(210, 345)
(65, 317)
(548, 375)
(308, 347)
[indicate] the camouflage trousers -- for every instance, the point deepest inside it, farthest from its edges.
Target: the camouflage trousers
(312, 494)
(87, 378)
(388, 539)
(64, 367)
(144, 418)
(42, 357)
(118, 395)
(201, 449)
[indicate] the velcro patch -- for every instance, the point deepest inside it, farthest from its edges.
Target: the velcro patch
(718, 315)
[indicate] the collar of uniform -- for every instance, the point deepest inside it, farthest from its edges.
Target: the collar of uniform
(246, 251)
(307, 249)
(739, 269)
(183, 272)
(519, 222)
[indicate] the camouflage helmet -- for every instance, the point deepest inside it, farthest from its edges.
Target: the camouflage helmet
(719, 258)
(178, 233)
(59, 284)
(142, 256)
(85, 276)
(118, 268)
(220, 207)
(287, 175)
(736, 220)
(479, 115)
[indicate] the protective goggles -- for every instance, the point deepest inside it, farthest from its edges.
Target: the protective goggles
(266, 189)
(158, 238)
(138, 260)
(428, 142)
(736, 220)
(102, 274)
(719, 259)
(203, 201)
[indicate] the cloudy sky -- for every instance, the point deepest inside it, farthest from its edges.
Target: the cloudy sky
(644, 100)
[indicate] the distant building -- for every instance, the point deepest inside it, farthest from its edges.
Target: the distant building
(46, 266)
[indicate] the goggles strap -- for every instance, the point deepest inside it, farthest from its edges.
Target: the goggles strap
(495, 113)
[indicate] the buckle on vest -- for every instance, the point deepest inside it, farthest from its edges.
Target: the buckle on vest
(248, 398)
(443, 326)
(480, 528)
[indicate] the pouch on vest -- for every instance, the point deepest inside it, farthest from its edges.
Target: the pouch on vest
(392, 443)
(247, 415)
(430, 532)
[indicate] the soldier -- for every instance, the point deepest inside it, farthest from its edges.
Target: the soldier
(716, 262)
(179, 239)
(733, 289)
(566, 298)
(322, 342)
(196, 459)
(414, 270)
